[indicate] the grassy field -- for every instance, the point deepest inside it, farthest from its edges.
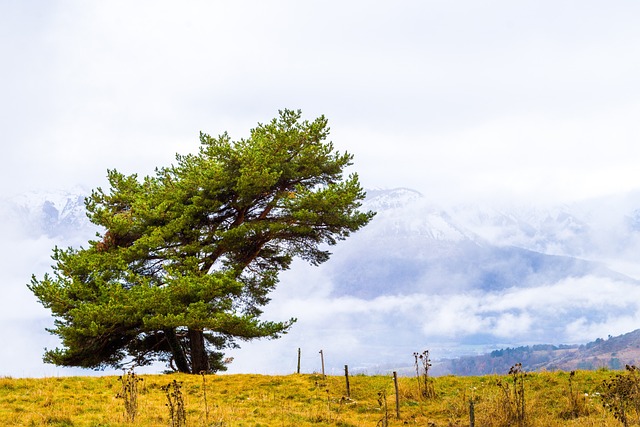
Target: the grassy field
(546, 399)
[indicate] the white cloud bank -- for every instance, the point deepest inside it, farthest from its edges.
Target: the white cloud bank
(388, 329)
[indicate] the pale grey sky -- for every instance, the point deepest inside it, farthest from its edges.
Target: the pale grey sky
(457, 99)
(535, 100)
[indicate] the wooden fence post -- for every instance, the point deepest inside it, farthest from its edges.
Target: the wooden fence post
(346, 375)
(395, 383)
(322, 360)
(298, 360)
(472, 415)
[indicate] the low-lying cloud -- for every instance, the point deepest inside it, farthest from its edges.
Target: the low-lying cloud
(383, 330)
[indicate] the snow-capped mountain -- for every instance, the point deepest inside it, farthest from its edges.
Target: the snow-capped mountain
(575, 230)
(59, 214)
(413, 246)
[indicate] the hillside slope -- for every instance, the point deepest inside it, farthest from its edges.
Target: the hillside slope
(612, 353)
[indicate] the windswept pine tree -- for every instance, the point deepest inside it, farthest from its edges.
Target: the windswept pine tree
(188, 257)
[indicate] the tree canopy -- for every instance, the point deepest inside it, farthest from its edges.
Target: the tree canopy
(187, 258)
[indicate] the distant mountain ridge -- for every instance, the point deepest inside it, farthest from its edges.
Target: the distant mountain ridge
(415, 245)
(611, 353)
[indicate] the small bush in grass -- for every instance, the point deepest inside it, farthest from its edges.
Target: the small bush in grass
(621, 395)
(129, 394)
(175, 403)
(513, 403)
(425, 383)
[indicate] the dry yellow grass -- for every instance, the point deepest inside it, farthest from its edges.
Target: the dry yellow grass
(299, 400)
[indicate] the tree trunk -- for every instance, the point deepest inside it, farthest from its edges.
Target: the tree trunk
(199, 356)
(178, 353)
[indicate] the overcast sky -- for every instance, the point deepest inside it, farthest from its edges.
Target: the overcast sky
(458, 99)
(461, 100)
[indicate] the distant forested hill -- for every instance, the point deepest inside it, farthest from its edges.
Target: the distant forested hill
(612, 353)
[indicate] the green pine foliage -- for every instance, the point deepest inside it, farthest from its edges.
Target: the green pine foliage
(189, 256)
